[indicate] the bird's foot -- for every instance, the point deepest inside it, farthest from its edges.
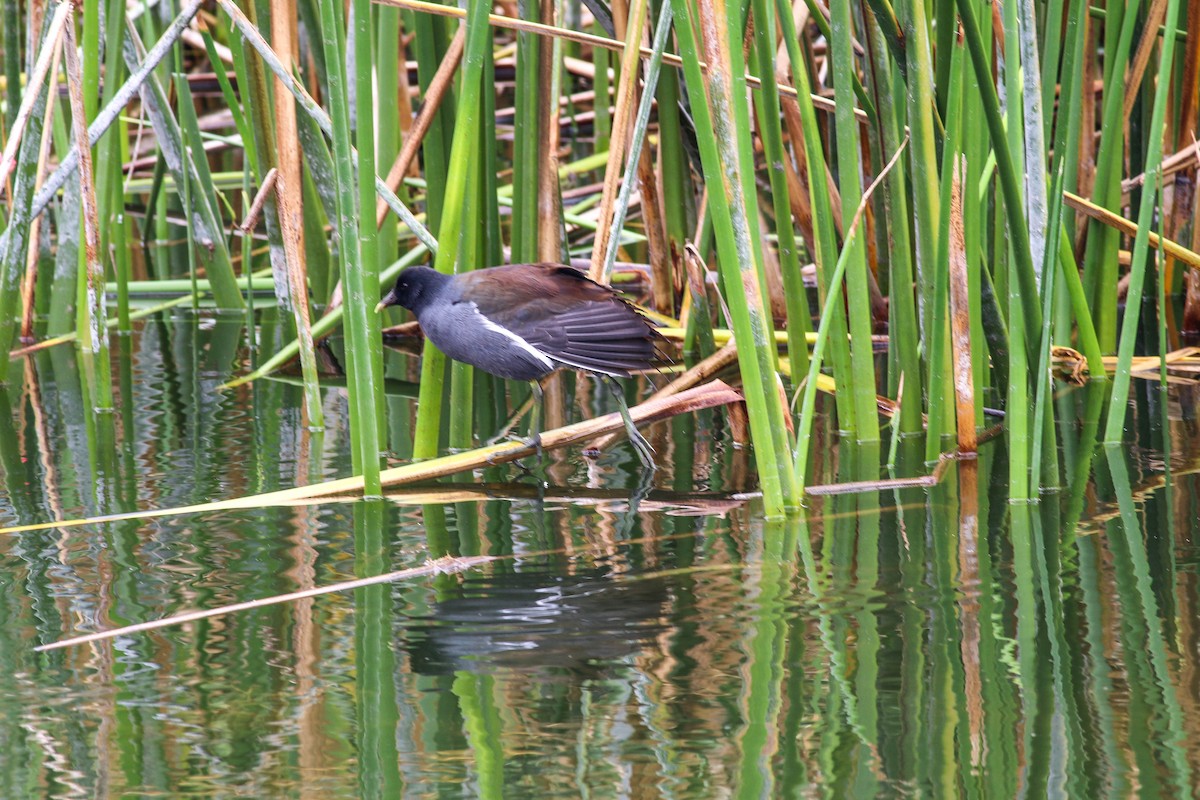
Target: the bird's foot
(645, 452)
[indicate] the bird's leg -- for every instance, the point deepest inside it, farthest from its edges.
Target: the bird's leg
(644, 450)
(507, 428)
(535, 418)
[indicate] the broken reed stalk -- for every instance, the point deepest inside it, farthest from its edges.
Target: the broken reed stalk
(1130, 228)
(702, 370)
(710, 395)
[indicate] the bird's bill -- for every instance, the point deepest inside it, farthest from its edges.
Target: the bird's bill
(388, 300)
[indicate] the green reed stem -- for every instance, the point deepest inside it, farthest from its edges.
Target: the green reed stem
(1100, 266)
(12, 61)
(923, 159)
(1044, 382)
(437, 142)
(363, 370)
(602, 105)
(675, 183)
(463, 152)
(1009, 184)
(724, 150)
(529, 105)
(799, 320)
(1113, 429)
(1034, 138)
(862, 357)
(110, 198)
(903, 329)
(387, 72)
(90, 54)
(824, 328)
(824, 227)
(362, 289)
(472, 241)
(1016, 420)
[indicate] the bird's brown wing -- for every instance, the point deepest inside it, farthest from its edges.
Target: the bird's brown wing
(573, 320)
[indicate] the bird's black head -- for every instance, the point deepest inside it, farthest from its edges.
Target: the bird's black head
(415, 288)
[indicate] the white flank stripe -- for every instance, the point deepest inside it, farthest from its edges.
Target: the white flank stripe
(517, 340)
(595, 370)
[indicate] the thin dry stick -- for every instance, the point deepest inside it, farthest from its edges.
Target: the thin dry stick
(445, 565)
(1186, 158)
(443, 79)
(46, 58)
(960, 324)
(576, 99)
(250, 221)
(856, 487)
(442, 566)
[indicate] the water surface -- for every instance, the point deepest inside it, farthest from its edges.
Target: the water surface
(912, 642)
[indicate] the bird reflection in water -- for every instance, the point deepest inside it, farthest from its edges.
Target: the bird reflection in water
(533, 619)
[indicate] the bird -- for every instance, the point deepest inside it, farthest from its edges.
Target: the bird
(525, 321)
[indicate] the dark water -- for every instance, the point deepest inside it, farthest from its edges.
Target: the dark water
(913, 642)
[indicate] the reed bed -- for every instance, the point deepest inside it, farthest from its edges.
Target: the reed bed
(900, 229)
(707, 156)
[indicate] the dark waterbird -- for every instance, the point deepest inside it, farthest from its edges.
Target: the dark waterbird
(525, 321)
